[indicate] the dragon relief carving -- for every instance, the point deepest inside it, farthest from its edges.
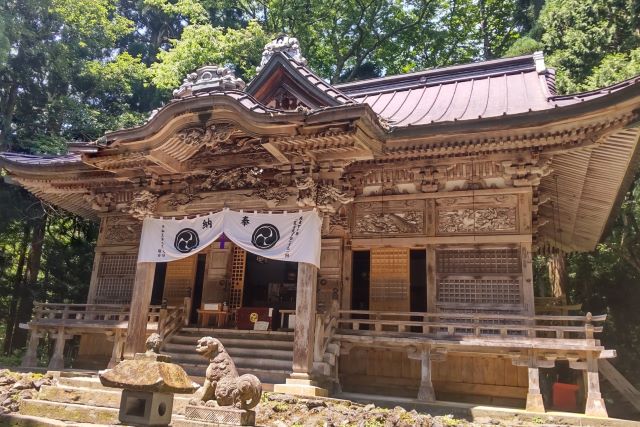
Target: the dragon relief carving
(233, 179)
(119, 230)
(326, 198)
(219, 138)
(142, 205)
(272, 195)
(390, 223)
(466, 220)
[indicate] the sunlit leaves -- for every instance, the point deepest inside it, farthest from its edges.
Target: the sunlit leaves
(203, 45)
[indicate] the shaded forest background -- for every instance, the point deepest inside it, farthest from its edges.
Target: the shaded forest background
(72, 69)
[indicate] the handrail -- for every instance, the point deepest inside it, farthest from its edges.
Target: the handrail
(472, 324)
(171, 320)
(87, 313)
(326, 324)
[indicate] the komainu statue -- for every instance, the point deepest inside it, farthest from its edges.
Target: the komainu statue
(222, 383)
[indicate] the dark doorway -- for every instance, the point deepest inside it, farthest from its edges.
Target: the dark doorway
(158, 283)
(269, 283)
(360, 275)
(418, 279)
(197, 288)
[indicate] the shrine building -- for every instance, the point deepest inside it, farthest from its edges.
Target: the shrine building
(433, 191)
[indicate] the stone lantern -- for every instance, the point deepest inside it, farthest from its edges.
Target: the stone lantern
(149, 382)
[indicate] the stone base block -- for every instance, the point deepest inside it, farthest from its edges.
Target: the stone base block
(220, 415)
(301, 387)
(535, 402)
(145, 408)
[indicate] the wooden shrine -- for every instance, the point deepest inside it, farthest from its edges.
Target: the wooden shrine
(436, 189)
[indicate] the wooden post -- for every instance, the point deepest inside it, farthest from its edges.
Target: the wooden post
(304, 332)
(534, 397)
(558, 275)
(527, 279)
(30, 358)
(301, 382)
(595, 406)
(347, 270)
(432, 279)
(57, 360)
(426, 393)
(142, 287)
(116, 353)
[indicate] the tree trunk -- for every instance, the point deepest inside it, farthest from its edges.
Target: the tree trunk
(557, 265)
(30, 284)
(19, 277)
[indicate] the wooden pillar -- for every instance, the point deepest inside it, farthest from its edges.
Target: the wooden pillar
(304, 332)
(432, 280)
(139, 311)
(30, 358)
(527, 279)
(595, 406)
(426, 393)
(347, 271)
(300, 382)
(57, 360)
(534, 396)
(116, 353)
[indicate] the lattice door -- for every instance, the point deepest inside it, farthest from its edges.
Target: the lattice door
(389, 288)
(179, 280)
(238, 265)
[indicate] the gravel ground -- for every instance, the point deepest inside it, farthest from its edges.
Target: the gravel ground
(15, 386)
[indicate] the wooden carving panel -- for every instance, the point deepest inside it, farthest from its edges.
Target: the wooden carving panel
(406, 217)
(179, 279)
(389, 279)
(124, 231)
(477, 215)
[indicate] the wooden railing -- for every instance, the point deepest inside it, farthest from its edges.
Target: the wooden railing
(85, 314)
(444, 324)
(325, 327)
(172, 319)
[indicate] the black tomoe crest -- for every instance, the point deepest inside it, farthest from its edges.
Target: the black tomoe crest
(186, 240)
(265, 236)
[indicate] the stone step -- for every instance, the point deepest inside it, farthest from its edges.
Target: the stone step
(265, 353)
(266, 376)
(240, 362)
(237, 333)
(69, 412)
(83, 382)
(231, 342)
(109, 398)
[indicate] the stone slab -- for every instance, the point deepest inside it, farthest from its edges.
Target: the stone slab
(300, 389)
(69, 412)
(220, 415)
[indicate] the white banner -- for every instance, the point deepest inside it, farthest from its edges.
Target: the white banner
(282, 236)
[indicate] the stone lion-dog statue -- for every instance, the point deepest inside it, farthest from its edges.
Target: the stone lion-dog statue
(222, 383)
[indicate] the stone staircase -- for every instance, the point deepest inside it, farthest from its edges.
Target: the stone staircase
(81, 399)
(265, 354)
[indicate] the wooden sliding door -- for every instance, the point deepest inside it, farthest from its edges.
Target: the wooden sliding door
(390, 281)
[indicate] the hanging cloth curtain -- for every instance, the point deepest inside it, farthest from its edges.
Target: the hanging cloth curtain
(286, 237)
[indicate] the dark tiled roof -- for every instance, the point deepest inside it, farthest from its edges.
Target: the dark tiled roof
(29, 159)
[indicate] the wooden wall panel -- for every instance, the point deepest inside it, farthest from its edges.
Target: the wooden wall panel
(179, 279)
(460, 377)
(389, 288)
(330, 274)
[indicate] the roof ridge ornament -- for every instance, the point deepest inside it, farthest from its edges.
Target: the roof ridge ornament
(285, 44)
(209, 78)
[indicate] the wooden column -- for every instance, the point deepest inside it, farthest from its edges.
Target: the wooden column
(139, 311)
(535, 403)
(116, 353)
(426, 393)
(57, 360)
(527, 279)
(30, 358)
(432, 280)
(347, 271)
(595, 406)
(300, 382)
(304, 332)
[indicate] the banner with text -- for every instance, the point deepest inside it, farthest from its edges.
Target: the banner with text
(282, 236)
